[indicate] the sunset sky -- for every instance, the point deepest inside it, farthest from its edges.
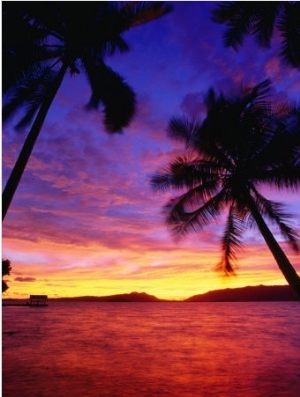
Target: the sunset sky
(85, 220)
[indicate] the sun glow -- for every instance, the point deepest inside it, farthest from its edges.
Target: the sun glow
(59, 270)
(85, 220)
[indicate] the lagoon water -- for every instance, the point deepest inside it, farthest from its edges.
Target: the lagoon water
(152, 350)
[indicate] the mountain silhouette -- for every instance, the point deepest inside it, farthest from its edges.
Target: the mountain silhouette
(260, 293)
(132, 297)
(247, 294)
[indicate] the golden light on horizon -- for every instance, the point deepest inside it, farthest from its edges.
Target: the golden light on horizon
(60, 270)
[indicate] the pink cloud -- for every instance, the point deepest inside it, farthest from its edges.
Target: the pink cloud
(85, 208)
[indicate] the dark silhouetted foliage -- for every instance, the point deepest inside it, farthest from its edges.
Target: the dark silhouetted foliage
(243, 143)
(6, 269)
(260, 18)
(42, 41)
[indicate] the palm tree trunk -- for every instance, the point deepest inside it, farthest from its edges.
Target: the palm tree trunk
(283, 263)
(18, 170)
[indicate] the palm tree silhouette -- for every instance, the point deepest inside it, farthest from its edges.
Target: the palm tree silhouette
(56, 37)
(259, 18)
(243, 143)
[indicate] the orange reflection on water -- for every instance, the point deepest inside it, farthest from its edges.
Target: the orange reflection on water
(152, 349)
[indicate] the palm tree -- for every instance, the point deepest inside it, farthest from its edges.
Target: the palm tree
(243, 144)
(42, 41)
(259, 19)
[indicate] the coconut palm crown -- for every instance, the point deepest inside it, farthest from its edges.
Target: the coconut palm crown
(243, 144)
(43, 41)
(260, 19)
(56, 37)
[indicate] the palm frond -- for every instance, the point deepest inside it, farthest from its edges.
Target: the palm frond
(274, 212)
(264, 14)
(21, 51)
(199, 138)
(141, 12)
(111, 46)
(259, 19)
(186, 172)
(236, 127)
(278, 160)
(288, 24)
(211, 100)
(231, 242)
(108, 24)
(183, 129)
(29, 95)
(182, 220)
(224, 11)
(286, 176)
(247, 18)
(258, 93)
(110, 89)
(239, 21)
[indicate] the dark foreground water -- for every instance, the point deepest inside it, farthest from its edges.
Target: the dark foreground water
(152, 349)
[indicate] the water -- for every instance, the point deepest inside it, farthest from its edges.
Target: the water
(152, 350)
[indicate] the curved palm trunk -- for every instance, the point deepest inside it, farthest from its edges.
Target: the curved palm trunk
(283, 263)
(18, 170)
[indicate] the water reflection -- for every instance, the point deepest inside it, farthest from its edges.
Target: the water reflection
(152, 349)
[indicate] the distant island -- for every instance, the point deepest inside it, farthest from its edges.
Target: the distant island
(260, 293)
(244, 294)
(132, 297)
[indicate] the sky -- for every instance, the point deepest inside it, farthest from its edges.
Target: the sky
(85, 220)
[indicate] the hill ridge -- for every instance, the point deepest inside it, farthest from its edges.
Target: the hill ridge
(242, 294)
(247, 294)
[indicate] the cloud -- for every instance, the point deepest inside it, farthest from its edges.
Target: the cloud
(25, 279)
(192, 104)
(84, 207)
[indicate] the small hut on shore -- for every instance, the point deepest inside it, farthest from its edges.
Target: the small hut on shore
(38, 300)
